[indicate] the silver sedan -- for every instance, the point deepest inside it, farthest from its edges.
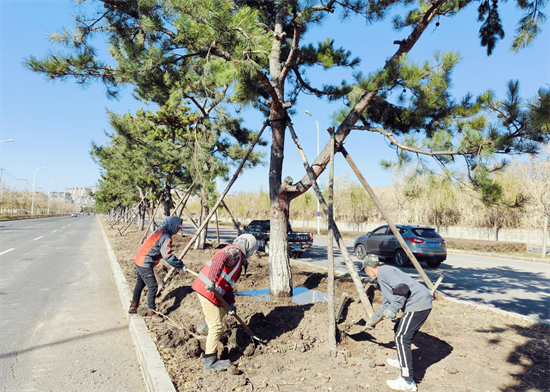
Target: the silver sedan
(424, 242)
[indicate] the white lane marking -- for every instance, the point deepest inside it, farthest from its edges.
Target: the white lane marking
(37, 238)
(54, 231)
(6, 251)
(63, 227)
(30, 227)
(7, 231)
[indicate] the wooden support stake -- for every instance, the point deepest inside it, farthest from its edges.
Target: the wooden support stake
(339, 240)
(183, 201)
(216, 205)
(330, 254)
(191, 218)
(235, 222)
(387, 218)
(436, 285)
(217, 228)
(122, 215)
(151, 221)
(341, 307)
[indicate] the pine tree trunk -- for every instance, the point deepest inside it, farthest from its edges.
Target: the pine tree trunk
(495, 224)
(201, 239)
(330, 256)
(141, 216)
(280, 275)
(167, 199)
(545, 234)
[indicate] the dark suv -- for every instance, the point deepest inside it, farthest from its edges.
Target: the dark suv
(425, 243)
(298, 243)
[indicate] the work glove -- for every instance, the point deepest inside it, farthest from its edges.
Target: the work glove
(183, 268)
(233, 310)
(210, 286)
(371, 322)
(389, 314)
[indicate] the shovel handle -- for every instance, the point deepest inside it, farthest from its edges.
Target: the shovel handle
(228, 308)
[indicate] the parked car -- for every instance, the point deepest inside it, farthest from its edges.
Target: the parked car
(73, 214)
(298, 243)
(424, 242)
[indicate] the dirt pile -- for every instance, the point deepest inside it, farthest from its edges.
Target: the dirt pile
(458, 349)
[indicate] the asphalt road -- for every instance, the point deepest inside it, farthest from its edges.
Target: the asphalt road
(62, 326)
(517, 286)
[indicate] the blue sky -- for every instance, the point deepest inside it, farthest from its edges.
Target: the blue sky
(54, 123)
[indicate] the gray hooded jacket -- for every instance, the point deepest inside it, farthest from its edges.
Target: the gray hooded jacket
(159, 245)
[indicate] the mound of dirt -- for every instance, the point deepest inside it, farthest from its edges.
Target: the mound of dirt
(458, 349)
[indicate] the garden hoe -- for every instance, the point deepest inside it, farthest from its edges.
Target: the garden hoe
(228, 308)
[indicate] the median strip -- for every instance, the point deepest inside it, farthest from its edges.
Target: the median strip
(37, 238)
(6, 251)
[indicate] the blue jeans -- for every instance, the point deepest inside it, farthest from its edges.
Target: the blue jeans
(146, 277)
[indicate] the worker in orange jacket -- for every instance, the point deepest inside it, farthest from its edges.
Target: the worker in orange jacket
(220, 274)
(157, 246)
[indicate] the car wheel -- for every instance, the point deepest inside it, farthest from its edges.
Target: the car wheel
(433, 264)
(266, 248)
(401, 258)
(360, 251)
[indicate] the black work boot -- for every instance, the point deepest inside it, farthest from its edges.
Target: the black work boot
(211, 362)
(202, 329)
(133, 307)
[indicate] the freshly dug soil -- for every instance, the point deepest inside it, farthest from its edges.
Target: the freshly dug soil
(458, 348)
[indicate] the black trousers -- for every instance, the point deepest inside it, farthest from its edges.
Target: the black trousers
(405, 330)
(146, 277)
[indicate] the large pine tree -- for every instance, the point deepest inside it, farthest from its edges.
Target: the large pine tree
(255, 51)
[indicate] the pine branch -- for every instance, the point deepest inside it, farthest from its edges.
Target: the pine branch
(346, 126)
(415, 150)
(291, 59)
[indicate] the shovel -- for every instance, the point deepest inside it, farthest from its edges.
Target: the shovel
(228, 308)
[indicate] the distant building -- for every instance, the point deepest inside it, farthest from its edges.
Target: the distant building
(64, 197)
(85, 201)
(81, 196)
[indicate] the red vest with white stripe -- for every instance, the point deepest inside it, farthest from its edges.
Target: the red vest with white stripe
(228, 277)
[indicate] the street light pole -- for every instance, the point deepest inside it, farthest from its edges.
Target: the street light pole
(318, 207)
(33, 181)
(49, 197)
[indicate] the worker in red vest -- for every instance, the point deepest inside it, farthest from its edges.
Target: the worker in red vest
(157, 246)
(220, 274)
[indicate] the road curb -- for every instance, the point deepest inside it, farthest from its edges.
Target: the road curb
(446, 297)
(494, 310)
(152, 367)
(498, 255)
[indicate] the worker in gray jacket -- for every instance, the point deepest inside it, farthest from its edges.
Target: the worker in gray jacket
(400, 292)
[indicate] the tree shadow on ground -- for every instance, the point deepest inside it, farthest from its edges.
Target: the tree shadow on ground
(178, 294)
(526, 292)
(533, 357)
(313, 279)
(430, 351)
(269, 327)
